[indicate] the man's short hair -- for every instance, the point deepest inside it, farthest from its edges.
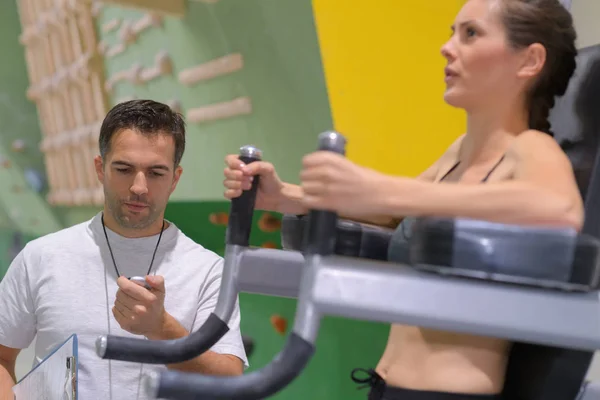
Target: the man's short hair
(147, 117)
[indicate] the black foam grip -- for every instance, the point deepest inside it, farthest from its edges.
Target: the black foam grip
(241, 212)
(320, 234)
(166, 351)
(353, 239)
(260, 384)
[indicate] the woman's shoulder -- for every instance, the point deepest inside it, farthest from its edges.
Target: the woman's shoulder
(451, 152)
(454, 148)
(449, 157)
(534, 143)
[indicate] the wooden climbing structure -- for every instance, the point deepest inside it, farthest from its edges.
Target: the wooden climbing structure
(67, 85)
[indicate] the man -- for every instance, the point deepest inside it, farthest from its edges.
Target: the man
(75, 280)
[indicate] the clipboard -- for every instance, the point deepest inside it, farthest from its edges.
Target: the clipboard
(54, 378)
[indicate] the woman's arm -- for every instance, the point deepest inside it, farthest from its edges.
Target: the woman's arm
(291, 200)
(291, 203)
(543, 191)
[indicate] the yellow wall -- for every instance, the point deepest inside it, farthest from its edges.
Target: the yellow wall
(385, 79)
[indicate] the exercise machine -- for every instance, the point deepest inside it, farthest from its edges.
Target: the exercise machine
(551, 314)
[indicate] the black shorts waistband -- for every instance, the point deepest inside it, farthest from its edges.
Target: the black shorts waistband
(379, 390)
(395, 393)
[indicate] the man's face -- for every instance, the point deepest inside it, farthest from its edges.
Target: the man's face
(138, 176)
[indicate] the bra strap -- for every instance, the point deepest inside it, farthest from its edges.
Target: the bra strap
(450, 171)
(487, 175)
(494, 168)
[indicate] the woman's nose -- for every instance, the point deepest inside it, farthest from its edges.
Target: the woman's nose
(448, 51)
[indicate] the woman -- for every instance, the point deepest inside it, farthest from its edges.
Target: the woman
(506, 61)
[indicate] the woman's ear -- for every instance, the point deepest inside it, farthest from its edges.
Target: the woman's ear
(533, 61)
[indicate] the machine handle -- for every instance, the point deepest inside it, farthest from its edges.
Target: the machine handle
(321, 225)
(162, 351)
(242, 207)
(286, 366)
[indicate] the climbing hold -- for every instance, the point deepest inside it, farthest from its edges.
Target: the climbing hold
(18, 145)
(35, 179)
(219, 218)
(269, 223)
(269, 245)
(279, 324)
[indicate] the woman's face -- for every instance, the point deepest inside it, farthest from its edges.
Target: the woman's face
(481, 67)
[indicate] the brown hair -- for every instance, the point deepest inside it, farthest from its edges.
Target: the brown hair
(147, 117)
(550, 24)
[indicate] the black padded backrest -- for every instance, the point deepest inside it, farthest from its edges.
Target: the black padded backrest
(576, 121)
(549, 373)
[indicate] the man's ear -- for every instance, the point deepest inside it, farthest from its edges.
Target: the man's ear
(533, 61)
(176, 176)
(99, 168)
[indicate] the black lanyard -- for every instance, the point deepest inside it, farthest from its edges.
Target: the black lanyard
(113, 256)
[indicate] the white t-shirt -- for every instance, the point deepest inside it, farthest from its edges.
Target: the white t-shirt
(65, 283)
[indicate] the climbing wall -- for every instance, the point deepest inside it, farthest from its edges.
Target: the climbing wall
(232, 69)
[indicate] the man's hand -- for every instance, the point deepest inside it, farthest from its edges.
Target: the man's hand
(142, 312)
(138, 310)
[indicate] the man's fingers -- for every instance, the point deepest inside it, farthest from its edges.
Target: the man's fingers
(125, 303)
(135, 291)
(123, 317)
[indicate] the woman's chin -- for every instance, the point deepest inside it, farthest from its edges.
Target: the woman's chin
(453, 99)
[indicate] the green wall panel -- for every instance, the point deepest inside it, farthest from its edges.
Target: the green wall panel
(342, 345)
(23, 209)
(194, 220)
(18, 114)
(282, 76)
(27, 211)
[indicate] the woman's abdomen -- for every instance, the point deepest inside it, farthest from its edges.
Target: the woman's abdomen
(423, 359)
